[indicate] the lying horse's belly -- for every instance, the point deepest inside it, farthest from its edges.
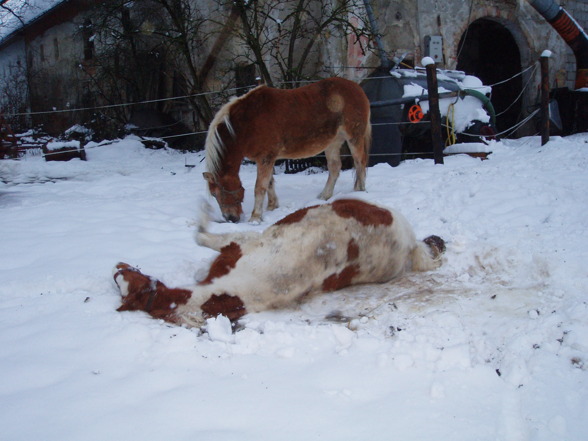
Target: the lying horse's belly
(272, 276)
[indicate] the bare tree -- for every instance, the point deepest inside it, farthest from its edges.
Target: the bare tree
(13, 86)
(183, 33)
(13, 95)
(149, 44)
(284, 37)
(127, 63)
(147, 51)
(13, 12)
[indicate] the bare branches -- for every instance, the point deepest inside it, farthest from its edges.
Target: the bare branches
(149, 49)
(12, 12)
(289, 37)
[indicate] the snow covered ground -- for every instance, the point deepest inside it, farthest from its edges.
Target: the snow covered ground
(492, 346)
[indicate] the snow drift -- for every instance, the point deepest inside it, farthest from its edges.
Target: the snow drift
(491, 346)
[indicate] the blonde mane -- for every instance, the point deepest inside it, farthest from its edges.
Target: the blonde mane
(214, 146)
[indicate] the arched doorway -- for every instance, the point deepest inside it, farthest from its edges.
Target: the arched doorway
(489, 51)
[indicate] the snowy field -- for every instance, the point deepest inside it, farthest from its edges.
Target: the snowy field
(492, 346)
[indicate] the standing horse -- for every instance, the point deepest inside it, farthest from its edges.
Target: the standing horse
(269, 124)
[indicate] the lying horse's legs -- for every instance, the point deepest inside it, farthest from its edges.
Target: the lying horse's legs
(217, 241)
(426, 255)
(265, 170)
(333, 154)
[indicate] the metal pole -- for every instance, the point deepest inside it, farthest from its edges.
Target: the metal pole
(544, 61)
(434, 114)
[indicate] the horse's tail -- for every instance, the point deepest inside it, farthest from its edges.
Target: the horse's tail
(367, 138)
(426, 256)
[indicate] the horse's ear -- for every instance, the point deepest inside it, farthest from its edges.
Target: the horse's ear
(208, 176)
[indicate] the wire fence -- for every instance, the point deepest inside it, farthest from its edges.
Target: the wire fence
(507, 132)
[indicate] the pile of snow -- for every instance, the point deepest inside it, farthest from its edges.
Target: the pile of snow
(59, 145)
(78, 131)
(469, 147)
(460, 111)
(492, 346)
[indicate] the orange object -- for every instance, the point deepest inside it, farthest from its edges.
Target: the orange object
(415, 113)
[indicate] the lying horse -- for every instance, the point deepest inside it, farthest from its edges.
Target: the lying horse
(317, 249)
(269, 124)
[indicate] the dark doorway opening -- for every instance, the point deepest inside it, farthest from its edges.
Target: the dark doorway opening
(489, 51)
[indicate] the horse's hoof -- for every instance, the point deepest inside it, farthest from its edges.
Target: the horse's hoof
(436, 244)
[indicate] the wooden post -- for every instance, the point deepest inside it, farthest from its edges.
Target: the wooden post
(434, 114)
(544, 61)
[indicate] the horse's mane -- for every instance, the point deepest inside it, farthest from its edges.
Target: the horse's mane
(214, 146)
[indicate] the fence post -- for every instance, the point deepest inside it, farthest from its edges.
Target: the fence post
(544, 61)
(434, 114)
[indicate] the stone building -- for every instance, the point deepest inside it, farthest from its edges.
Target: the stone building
(53, 62)
(46, 54)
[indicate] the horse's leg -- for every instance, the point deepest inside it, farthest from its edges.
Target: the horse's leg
(265, 170)
(217, 241)
(360, 159)
(333, 154)
(272, 197)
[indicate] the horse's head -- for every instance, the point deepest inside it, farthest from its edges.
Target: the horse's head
(143, 293)
(229, 193)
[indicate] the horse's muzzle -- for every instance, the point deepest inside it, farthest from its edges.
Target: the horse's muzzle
(231, 218)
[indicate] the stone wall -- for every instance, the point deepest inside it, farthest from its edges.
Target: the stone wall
(406, 24)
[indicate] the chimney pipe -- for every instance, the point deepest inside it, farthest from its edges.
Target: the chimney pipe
(571, 32)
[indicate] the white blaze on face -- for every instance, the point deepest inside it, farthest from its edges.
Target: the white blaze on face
(123, 285)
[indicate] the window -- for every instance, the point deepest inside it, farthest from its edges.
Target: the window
(55, 49)
(42, 52)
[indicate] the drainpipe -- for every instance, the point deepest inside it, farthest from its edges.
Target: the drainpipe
(384, 60)
(571, 32)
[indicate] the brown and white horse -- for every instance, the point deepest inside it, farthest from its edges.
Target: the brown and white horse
(269, 124)
(317, 249)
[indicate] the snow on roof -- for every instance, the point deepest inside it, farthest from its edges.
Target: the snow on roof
(15, 14)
